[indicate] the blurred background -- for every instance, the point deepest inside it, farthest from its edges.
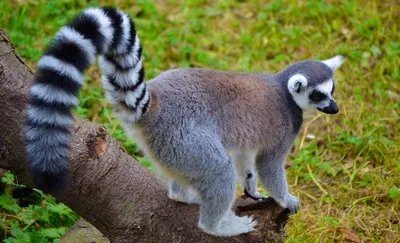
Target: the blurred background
(344, 168)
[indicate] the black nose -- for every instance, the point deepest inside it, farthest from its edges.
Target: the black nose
(332, 108)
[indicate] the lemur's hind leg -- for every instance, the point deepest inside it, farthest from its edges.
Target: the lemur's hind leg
(216, 215)
(199, 157)
(270, 167)
(182, 193)
(247, 175)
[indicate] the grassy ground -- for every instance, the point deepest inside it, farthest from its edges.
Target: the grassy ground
(347, 177)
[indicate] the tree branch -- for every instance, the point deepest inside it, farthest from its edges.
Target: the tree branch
(108, 188)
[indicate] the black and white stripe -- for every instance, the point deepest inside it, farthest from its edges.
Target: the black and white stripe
(97, 31)
(123, 74)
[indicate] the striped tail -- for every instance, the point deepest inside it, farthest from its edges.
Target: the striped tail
(103, 31)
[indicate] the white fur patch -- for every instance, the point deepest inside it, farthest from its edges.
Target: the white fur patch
(326, 87)
(111, 99)
(106, 28)
(295, 79)
(62, 67)
(45, 116)
(135, 53)
(189, 197)
(244, 162)
(143, 102)
(323, 103)
(232, 225)
(131, 97)
(68, 33)
(106, 84)
(334, 62)
(45, 134)
(130, 59)
(106, 67)
(51, 93)
(301, 98)
(125, 36)
(128, 78)
(128, 117)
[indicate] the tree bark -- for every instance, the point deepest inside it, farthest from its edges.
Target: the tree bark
(107, 187)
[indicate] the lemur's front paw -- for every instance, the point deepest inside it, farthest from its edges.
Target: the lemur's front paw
(254, 195)
(290, 202)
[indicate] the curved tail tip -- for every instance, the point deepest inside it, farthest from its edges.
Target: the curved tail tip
(52, 183)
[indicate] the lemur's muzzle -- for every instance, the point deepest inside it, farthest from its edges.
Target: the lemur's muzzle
(330, 109)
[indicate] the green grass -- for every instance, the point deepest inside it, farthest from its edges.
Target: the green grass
(347, 177)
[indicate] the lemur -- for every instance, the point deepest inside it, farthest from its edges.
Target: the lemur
(203, 128)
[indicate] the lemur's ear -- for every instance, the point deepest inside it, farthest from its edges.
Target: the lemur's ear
(334, 62)
(297, 86)
(297, 83)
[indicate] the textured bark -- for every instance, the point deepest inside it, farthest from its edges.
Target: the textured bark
(83, 232)
(107, 187)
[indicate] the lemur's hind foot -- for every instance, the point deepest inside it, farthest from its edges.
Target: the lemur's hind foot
(232, 225)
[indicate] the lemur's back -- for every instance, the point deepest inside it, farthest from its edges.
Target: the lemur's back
(238, 106)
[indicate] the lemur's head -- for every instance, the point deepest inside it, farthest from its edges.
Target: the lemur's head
(311, 84)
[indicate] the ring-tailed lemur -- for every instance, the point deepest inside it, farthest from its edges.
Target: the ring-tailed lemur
(185, 119)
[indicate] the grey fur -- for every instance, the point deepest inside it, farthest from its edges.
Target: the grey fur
(47, 136)
(52, 94)
(49, 116)
(182, 193)
(196, 115)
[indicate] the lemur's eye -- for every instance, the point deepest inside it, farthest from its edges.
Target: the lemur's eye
(317, 96)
